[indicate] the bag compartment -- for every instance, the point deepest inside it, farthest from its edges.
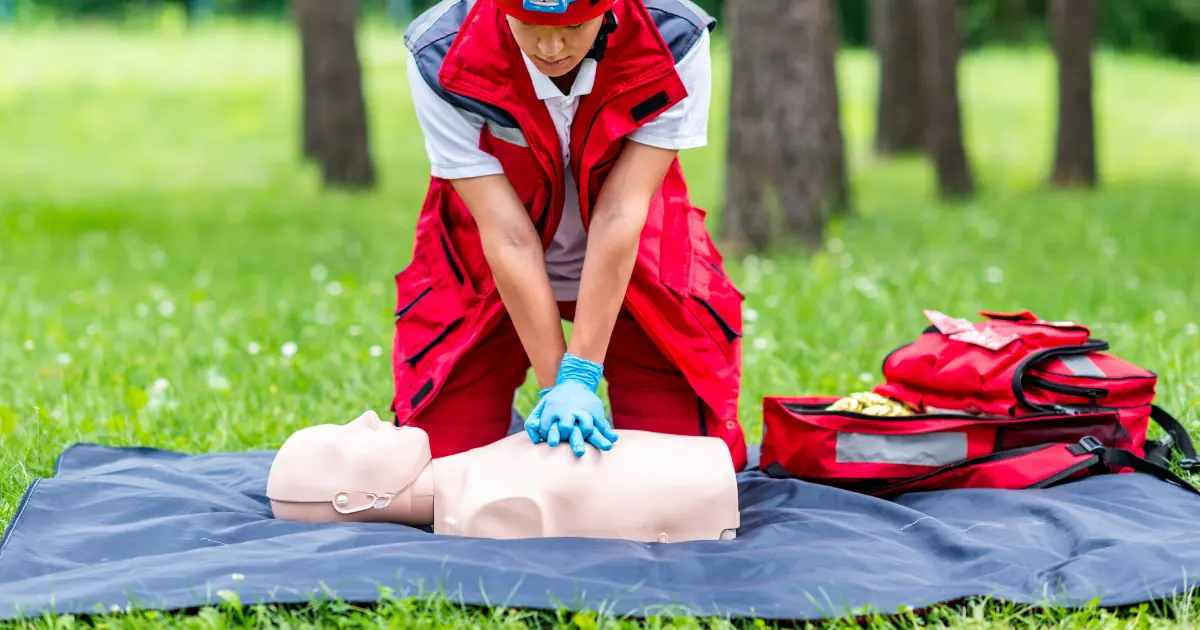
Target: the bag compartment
(847, 448)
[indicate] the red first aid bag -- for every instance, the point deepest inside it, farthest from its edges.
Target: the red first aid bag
(1015, 365)
(1010, 402)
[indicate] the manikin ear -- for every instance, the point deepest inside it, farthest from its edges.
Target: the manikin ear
(369, 420)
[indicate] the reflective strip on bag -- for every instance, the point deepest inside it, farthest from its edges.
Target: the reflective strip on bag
(1082, 365)
(926, 449)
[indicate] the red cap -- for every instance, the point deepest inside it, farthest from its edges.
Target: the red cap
(555, 12)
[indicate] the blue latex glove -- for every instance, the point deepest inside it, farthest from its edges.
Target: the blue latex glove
(571, 409)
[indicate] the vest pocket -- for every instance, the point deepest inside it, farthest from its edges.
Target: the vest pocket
(692, 268)
(432, 295)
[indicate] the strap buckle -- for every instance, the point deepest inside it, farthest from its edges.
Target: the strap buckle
(1189, 464)
(1090, 444)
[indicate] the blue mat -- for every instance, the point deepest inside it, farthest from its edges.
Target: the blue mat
(165, 530)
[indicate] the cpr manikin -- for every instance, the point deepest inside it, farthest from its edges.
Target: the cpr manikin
(650, 487)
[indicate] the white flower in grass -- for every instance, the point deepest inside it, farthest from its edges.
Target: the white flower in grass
(334, 288)
(354, 331)
(253, 348)
(318, 273)
(994, 275)
(750, 315)
(64, 358)
(166, 308)
(289, 349)
(375, 351)
(866, 377)
(216, 381)
(1191, 329)
(761, 343)
(161, 384)
(237, 577)
(1160, 317)
(29, 344)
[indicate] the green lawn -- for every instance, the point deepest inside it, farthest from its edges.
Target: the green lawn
(160, 244)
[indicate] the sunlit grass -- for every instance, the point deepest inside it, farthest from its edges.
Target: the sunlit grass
(172, 276)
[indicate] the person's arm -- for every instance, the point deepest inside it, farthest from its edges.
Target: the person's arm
(613, 234)
(514, 252)
(510, 243)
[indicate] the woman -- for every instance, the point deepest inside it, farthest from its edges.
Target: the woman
(552, 129)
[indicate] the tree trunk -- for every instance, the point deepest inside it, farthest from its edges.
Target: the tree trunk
(1011, 17)
(335, 112)
(784, 154)
(900, 120)
(839, 180)
(309, 98)
(941, 45)
(1073, 28)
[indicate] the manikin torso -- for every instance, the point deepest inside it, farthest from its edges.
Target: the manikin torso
(650, 487)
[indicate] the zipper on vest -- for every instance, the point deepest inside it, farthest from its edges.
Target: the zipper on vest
(420, 354)
(408, 307)
(450, 259)
(730, 333)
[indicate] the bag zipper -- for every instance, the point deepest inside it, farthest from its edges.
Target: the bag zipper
(1019, 374)
(1092, 394)
(813, 408)
(975, 461)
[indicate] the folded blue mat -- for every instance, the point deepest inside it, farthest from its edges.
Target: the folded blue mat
(166, 530)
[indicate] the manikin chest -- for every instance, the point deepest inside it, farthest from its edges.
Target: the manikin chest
(649, 488)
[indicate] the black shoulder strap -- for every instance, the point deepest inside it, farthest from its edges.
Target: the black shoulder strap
(1158, 452)
(1120, 458)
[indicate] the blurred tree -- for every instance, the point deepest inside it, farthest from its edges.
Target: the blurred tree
(1073, 29)
(335, 120)
(941, 46)
(900, 119)
(7, 11)
(784, 156)
(400, 12)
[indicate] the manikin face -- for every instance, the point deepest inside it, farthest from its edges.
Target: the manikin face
(366, 455)
(555, 50)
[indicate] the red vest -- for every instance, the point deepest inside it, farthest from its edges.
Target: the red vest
(679, 292)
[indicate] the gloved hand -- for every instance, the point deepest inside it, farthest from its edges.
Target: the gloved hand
(571, 409)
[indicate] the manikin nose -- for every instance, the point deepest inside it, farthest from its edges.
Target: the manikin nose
(369, 420)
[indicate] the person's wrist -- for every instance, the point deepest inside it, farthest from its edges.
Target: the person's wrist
(579, 370)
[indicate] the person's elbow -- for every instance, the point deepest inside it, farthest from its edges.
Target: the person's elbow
(512, 236)
(623, 220)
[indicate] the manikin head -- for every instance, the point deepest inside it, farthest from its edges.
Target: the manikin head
(555, 34)
(364, 470)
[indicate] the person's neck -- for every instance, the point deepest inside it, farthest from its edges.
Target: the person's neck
(566, 81)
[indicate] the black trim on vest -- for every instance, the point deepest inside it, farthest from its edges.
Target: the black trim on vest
(648, 107)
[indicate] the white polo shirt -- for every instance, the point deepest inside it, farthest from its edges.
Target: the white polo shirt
(452, 142)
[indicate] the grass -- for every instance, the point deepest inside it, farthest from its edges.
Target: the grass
(160, 244)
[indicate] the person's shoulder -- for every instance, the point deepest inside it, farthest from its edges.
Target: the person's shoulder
(437, 24)
(682, 24)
